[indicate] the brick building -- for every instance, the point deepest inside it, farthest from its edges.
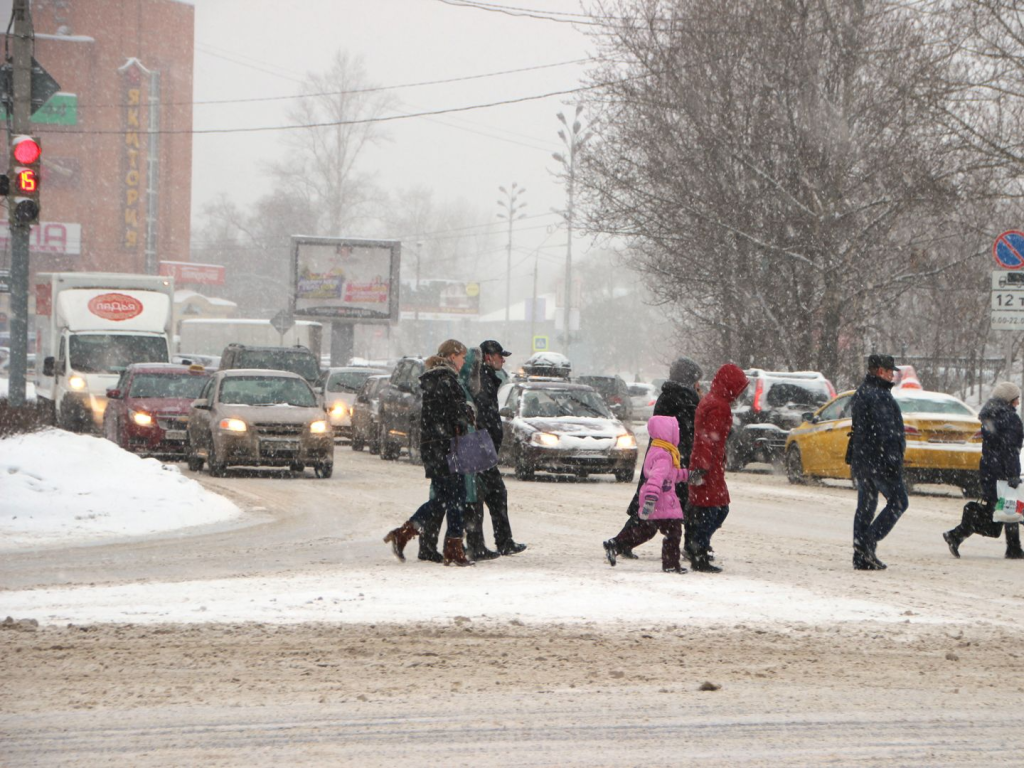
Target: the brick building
(114, 198)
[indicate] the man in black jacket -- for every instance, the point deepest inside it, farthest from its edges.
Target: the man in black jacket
(490, 486)
(875, 454)
(679, 398)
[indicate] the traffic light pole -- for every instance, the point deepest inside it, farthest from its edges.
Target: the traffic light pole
(21, 124)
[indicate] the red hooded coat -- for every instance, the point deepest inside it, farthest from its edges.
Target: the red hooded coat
(712, 425)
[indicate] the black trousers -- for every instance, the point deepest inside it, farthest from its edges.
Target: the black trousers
(977, 518)
(490, 490)
(644, 530)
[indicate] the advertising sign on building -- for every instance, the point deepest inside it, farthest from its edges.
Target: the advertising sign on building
(192, 273)
(440, 300)
(346, 278)
(53, 238)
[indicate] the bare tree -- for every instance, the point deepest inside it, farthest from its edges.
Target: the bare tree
(772, 166)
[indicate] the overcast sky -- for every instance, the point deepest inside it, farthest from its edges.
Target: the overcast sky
(259, 48)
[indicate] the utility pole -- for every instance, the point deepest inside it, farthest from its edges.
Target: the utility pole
(573, 137)
(511, 210)
(22, 44)
(533, 307)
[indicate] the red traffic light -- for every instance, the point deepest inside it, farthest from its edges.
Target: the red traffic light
(26, 150)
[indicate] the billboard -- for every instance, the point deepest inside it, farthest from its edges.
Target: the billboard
(193, 273)
(345, 278)
(440, 300)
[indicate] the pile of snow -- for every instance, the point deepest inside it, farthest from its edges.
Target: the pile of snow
(56, 488)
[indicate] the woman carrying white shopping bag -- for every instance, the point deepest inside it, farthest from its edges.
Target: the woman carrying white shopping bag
(1002, 434)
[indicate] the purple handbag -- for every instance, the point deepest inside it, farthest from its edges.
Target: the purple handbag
(472, 453)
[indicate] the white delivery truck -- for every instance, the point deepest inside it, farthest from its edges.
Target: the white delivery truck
(209, 336)
(90, 326)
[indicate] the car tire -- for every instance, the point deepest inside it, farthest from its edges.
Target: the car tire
(625, 475)
(213, 464)
(389, 449)
(523, 469)
(734, 458)
(297, 468)
(194, 462)
(795, 467)
(323, 469)
(357, 443)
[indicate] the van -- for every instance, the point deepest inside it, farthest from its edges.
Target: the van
(297, 359)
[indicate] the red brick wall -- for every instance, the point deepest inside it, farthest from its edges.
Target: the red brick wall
(87, 168)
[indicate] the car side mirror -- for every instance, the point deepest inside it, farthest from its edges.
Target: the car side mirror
(362, 399)
(202, 404)
(48, 366)
(809, 416)
(506, 413)
(114, 394)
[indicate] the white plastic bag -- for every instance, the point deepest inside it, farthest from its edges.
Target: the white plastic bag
(1009, 506)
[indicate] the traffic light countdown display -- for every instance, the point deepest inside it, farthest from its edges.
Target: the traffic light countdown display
(23, 199)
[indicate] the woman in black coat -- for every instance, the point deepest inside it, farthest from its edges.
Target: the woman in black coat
(445, 414)
(1002, 434)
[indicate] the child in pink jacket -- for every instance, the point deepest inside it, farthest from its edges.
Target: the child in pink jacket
(661, 510)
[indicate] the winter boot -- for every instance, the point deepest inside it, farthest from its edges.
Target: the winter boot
(454, 553)
(628, 553)
(430, 555)
(482, 554)
(872, 554)
(1013, 549)
(399, 537)
(610, 550)
(675, 569)
(953, 542)
(699, 562)
(512, 548)
(862, 560)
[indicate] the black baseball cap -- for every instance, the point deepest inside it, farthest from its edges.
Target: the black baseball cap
(881, 361)
(492, 347)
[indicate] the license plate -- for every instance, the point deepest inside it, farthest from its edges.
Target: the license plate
(176, 434)
(281, 445)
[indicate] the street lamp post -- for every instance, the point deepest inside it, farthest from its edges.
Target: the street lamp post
(573, 137)
(511, 209)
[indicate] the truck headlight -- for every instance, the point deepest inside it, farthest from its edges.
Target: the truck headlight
(625, 441)
(318, 427)
(544, 438)
(233, 425)
(141, 418)
(76, 382)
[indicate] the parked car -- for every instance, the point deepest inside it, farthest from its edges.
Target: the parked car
(560, 426)
(297, 359)
(943, 441)
(615, 392)
(365, 414)
(147, 411)
(545, 364)
(399, 411)
(643, 397)
(772, 404)
(338, 388)
(260, 418)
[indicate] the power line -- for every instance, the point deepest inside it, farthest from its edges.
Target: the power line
(370, 89)
(336, 123)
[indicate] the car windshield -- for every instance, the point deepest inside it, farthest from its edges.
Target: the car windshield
(556, 403)
(925, 405)
(799, 393)
(301, 363)
(111, 353)
(266, 390)
(348, 381)
(640, 390)
(603, 384)
(185, 386)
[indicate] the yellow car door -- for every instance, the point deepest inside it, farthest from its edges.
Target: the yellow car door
(825, 438)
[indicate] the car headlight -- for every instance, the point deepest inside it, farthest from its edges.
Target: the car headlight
(338, 410)
(625, 441)
(141, 418)
(544, 438)
(76, 382)
(233, 425)
(318, 427)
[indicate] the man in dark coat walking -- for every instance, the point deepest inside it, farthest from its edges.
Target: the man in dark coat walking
(709, 495)
(678, 398)
(875, 455)
(490, 485)
(1002, 436)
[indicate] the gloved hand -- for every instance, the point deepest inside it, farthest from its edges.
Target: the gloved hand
(1013, 482)
(648, 508)
(697, 476)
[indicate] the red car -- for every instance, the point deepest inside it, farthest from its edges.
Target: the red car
(147, 412)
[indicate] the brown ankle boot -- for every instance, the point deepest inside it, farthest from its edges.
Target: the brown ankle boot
(454, 553)
(399, 537)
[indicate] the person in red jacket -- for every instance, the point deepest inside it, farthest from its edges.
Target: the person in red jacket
(709, 502)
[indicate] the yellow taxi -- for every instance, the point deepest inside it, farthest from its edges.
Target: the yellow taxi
(943, 440)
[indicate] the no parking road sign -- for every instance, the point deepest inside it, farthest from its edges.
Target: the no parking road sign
(1008, 250)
